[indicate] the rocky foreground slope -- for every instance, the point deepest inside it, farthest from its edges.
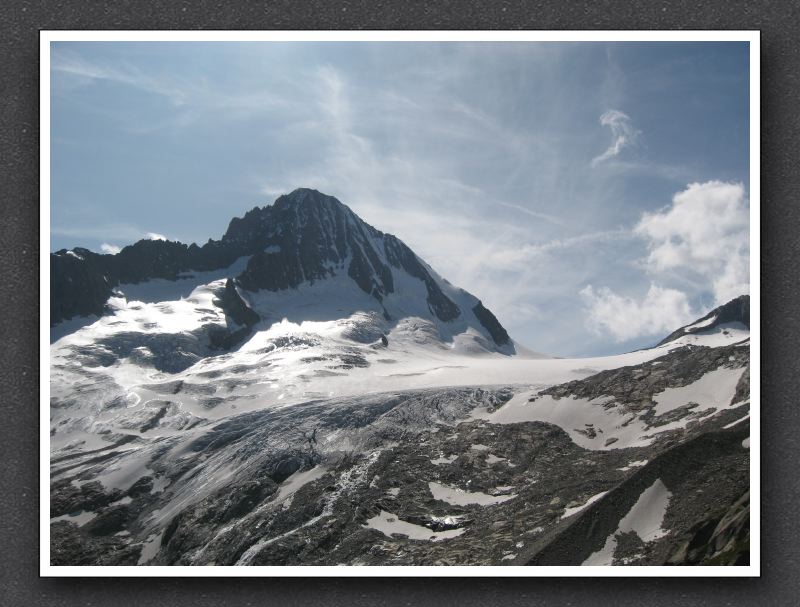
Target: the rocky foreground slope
(649, 465)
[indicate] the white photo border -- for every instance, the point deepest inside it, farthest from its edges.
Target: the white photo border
(46, 37)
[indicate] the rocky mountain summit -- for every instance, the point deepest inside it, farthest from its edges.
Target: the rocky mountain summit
(304, 237)
(307, 391)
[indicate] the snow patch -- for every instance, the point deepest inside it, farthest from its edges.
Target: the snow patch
(459, 497)
(150, 548)
(79, 518)
(493, 459)
(644, 519)
(389, 524)
(299, 479)
(700, 324)
(714, 389)
(721, 335)
(570, 511)
(632, 465)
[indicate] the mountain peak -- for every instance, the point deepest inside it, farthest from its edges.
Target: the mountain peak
(305, 237)
(307, 196)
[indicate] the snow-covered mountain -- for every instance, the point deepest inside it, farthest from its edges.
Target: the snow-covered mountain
(732, 318)
(306, 257)
(306, 390)
(324, 305)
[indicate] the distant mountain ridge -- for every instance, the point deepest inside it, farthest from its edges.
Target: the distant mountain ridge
(305, 236)
(735, 311)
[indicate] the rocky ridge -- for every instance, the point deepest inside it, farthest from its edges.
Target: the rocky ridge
(734, 312)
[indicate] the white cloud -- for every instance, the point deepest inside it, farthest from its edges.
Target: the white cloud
(659, 312)
(701, 239)
(155, 236)
(110, 249)
(623, 134)
(273, 192)
(705, 233)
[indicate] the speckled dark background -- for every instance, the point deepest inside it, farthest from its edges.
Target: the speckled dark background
(19, 243)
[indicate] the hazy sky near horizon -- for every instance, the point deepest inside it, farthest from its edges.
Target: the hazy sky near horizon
(595, 196)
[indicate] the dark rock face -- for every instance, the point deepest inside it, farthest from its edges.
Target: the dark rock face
(489, 320)
(706, 473)
(400, 256)
(111, 521)
(70, 545)
(303, 237)
(318, 234)
(79, 286)
(66, 497)
(736, 310)
(237, 309)
(722, 538)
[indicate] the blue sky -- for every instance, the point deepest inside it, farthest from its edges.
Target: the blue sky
(593, 195)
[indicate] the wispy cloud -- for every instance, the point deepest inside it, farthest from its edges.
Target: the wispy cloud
(623, 134)
(522, 255)
(74, 65)
(110, 249)
(190, 98)
(532, 213)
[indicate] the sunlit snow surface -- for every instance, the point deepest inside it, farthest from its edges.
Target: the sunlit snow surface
(103, 378)
(700, 324)
(722, 335)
